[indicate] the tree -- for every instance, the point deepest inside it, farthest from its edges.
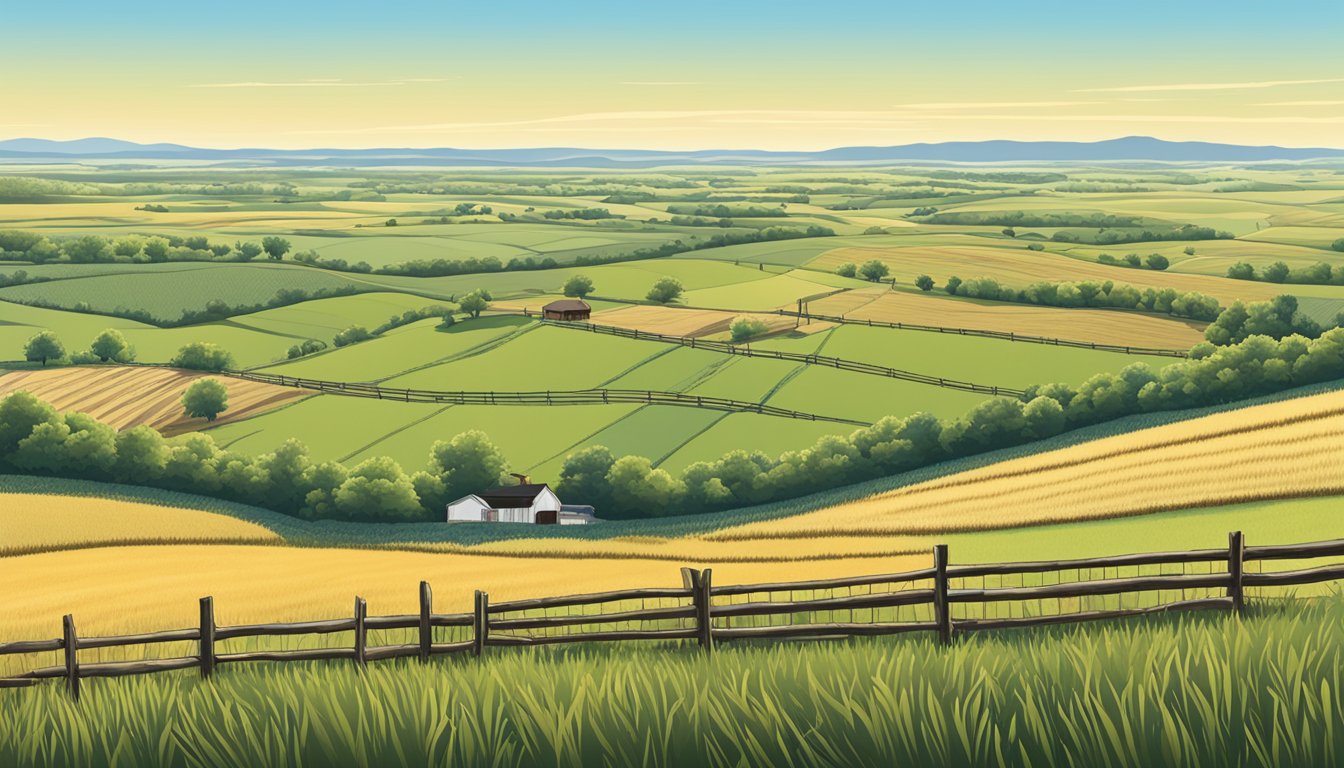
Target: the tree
(1009, 232)
(87, 249)
(1338, 245)
(578, 285)
(475, 303)
(924, 283)
(583, 476)
(247, 251)
(744, 328)
(377, 489)
(953, 283)
(205, 398)
(126, 247)
(1157, 261)
(846, 270)
(1241, 271)
(275, 247)
(156, 249)
(1276, 272)
(639, 490)
(1189, 250)
(873, 270)
(43, 347)
(469, 463)
(202, 356)
(111, 345)
(351, 335)
(665, 291)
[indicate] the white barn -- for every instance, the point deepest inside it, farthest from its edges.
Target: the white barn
(524, 503)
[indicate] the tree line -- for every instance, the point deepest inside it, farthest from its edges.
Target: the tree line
(1320, 273)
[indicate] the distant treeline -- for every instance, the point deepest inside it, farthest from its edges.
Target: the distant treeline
(1191, 304)
(1320, 273)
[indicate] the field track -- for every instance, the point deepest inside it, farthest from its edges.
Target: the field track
(128, 396)
(1287, 449)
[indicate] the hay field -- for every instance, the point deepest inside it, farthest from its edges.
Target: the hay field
(39, 522)
(1279, 450)
(1098, 325)
(675, 321)
(1018, 267)
(128, 396)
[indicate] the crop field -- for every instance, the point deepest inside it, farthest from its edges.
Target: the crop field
(1265, 452)
(681, 322)
(128, 397)
(1088, 325)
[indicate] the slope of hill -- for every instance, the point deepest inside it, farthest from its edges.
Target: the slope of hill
(1286, 449)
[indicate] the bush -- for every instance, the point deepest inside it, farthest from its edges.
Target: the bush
(874, 270)
(744, 328)
(1157, 261)
(665, 291)
(205, 399)
(308, 347)
(924, 283)
(578, 286)
(953, 285)
(1035, 247)
(475, 303)
(202, 356)
(352, 335)
(1241, 271)
(110, 345)
(1338, 245)
(847, 270)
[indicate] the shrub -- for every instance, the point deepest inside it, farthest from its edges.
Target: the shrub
(352, 335)
(924, 283)
(665, 291)
(578, 285)
(205, 399)
(744, 328)
(110, 345)
(847, 270)
(202, 356)
(873, 270)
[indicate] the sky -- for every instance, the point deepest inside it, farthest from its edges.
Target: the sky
(684, 75)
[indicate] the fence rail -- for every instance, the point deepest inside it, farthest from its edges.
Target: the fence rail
(547, 397)
(708, 614)
(797, 357)
(986, 334)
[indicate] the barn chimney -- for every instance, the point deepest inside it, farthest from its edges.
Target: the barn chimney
(522, 479)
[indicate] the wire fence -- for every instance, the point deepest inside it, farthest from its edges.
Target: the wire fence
(943, 599)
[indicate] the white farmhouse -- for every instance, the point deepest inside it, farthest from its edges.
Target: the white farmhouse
(523, 503)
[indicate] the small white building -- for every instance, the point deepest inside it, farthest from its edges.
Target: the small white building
(523, 503)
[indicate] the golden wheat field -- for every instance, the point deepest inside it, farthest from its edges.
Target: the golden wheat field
(39, 522)
(675, 321)
(1018, 267)
(1279, 450)
(1095, 325)
(128, 396)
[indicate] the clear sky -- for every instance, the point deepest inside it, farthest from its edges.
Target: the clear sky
(680, 75)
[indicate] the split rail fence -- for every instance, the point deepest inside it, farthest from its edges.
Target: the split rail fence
(943, 600)
(797, 357)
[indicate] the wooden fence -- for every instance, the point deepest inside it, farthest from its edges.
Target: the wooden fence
(797, 357)
(707, 614)
(810, 316)
(547, 397)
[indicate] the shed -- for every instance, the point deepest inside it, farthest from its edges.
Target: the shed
(567, 309)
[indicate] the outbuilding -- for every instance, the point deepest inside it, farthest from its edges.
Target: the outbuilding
(567, 309)
(523, 503)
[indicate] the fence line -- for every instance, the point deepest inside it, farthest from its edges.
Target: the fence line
(708, 614)
(798, 357)
(811, 316)
(547, 397)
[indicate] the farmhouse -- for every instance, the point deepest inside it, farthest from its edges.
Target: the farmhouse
(567, 309)
(522, 503)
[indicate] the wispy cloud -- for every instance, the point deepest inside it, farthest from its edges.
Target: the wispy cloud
(1300, 104)
(660, 82)
(321, 83)
(1208, 86)
(997, 104)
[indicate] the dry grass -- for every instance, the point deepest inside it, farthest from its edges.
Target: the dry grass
(126, 396)
(693, 549)
(146, 588)
(1018, 267)
(1097, 325)
(675, 321)
(38, 522)
(1280, 450)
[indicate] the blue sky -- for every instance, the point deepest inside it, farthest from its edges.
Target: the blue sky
(683, 75)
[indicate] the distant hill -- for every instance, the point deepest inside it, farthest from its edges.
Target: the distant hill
(1129, 148)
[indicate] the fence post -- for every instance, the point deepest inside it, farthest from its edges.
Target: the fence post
(942, 614)
(207, 647)
(704, 613)
(1236, 561)
(481, 623)
(361, 631)
(71, 646)
(426, 630)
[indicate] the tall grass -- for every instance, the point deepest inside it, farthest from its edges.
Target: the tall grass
(1197, 690)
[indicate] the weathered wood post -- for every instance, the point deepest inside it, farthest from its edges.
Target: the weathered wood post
(704, 610)
(426, 629)
(480, 623)
(1236, 562)
(690, 581)
(942, 613)
(361, 630)
(71, 646)
(207, 640)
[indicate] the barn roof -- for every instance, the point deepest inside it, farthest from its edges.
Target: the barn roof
(512, 496)
(566, 305)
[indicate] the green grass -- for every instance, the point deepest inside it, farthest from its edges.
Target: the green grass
(1205, 690)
